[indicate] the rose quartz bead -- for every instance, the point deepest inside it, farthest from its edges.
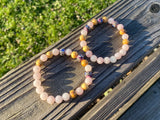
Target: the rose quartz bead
(44, 96)
(66, 96)
(50, 100)
(89, 53)
(90, 24)
(58, 99)
(79, 91)
(122, 52)
(36, 69)
(68, 52)
(125, 36)
(39, 89)
(125, 47)
(36, 83)
(118, 56)
(110, 20)
(43, 58)
(100, 60)
(55, 51)
(113, 59)
(83, 43)
(93, 58)
(88, 68)
(88, 80)
(83, 32)
(107, 60)
(37, 76)
(120, 27)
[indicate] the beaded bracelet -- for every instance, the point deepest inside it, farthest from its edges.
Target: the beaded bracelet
(90, 25)
(65, 96)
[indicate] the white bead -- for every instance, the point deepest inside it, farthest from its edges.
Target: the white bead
(122, 52)
(125, 36)
(55, 51)
(66, 96)
(118, 56)
(83, 43)
(58, 99)
(43, 57)
(83, 32)
(79, 91)
(36, 83)
(93, 58)
(120, 27)
(107, 60)
(68, 52)
(110, 20)
(88, 68)
(88, 80)
(90, 24)
(100, 60)
(89, 53)
(125, 47)
(113, 59)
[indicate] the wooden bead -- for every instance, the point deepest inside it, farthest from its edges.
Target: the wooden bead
(82, 37)
(49, 54)
(104, 19)
(85, 48)
(72, 94)
(125, 41)
(38, 62)
(84, 86)
(94, 21)
(74, 54)
(84, 63)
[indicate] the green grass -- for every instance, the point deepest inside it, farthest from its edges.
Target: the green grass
(29, 26)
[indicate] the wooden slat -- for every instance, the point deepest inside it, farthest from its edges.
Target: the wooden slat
(18, 99)
(126, 93)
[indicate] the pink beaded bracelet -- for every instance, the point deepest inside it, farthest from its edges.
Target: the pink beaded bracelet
(100, 60)
(65, 96)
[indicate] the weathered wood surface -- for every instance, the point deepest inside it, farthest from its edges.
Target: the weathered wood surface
(18, 99)
(126, 93)
(147, 107)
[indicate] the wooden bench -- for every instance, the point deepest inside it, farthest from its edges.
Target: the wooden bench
(19, 101)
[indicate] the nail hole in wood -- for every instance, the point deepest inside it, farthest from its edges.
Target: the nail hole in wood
(155, 8)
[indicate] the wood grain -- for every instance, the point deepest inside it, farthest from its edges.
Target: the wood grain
(18, 99)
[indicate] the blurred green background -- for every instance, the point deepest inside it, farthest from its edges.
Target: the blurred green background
(29, 26)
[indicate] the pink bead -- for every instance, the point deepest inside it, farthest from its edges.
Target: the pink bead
(93, 58)
(43, 57)
(36, 69)
(83, 32)
(107, 60)
(88, 80)
(88, 68)
(120, 27)
(79, 91)
(66, 96)
(39, 89)
(58, 99)
(44, 96)
(68, 52)
(125, 47)
(83, 43)
(113, 59)
(89, 53)
(122, 52)
(125, 36)
(50, 100)
(118, 56)
(90, 24)
(100, 60)
(55, 51)
(36, 83)
(37, 76)
(110, 20)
